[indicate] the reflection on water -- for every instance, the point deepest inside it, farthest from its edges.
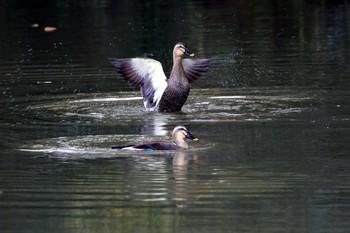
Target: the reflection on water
(130, 189)
(202, 106)
(272, 115)
(262, 151)
(259, 154)
(258, 105)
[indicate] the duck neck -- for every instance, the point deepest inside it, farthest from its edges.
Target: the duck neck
(179, 140)
(177, 72)
(182, 144)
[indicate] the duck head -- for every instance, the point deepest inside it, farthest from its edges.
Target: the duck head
(179, 135)
(180, 50)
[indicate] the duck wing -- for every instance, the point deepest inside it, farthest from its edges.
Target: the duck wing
(157, 145)
(146, 73)
(195, 68)
(152, 145)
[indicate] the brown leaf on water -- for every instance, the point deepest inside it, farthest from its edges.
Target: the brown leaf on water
(49, 29)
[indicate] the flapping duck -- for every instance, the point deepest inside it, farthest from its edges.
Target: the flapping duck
(158, 92)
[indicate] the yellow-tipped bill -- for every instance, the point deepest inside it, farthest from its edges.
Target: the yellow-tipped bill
(190, 136)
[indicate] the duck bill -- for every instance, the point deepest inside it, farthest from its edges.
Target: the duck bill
(188, 53)
(190, 136)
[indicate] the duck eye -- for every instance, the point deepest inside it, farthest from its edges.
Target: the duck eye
(181, 129)
(181, 46)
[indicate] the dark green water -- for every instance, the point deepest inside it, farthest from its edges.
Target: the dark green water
(272, 115)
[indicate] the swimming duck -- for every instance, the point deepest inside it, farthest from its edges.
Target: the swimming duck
(179, 134)
(158, 92)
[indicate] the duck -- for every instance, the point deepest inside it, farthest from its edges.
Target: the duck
(160, 93)
(179, 134)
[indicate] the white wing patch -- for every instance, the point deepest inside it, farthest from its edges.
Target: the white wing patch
(131, 148)
(153, 80)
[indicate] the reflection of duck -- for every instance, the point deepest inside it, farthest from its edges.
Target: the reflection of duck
(155, 124)
(158, 92)
(179, 134)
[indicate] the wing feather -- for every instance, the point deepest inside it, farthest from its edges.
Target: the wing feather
(146, 73)
(157, 145)
(195, 68)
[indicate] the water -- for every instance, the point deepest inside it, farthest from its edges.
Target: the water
(272, 115)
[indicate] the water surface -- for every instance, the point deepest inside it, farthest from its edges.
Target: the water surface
(272, 115)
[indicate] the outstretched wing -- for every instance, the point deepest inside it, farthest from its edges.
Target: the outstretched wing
(146, 73)
(195, 68)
